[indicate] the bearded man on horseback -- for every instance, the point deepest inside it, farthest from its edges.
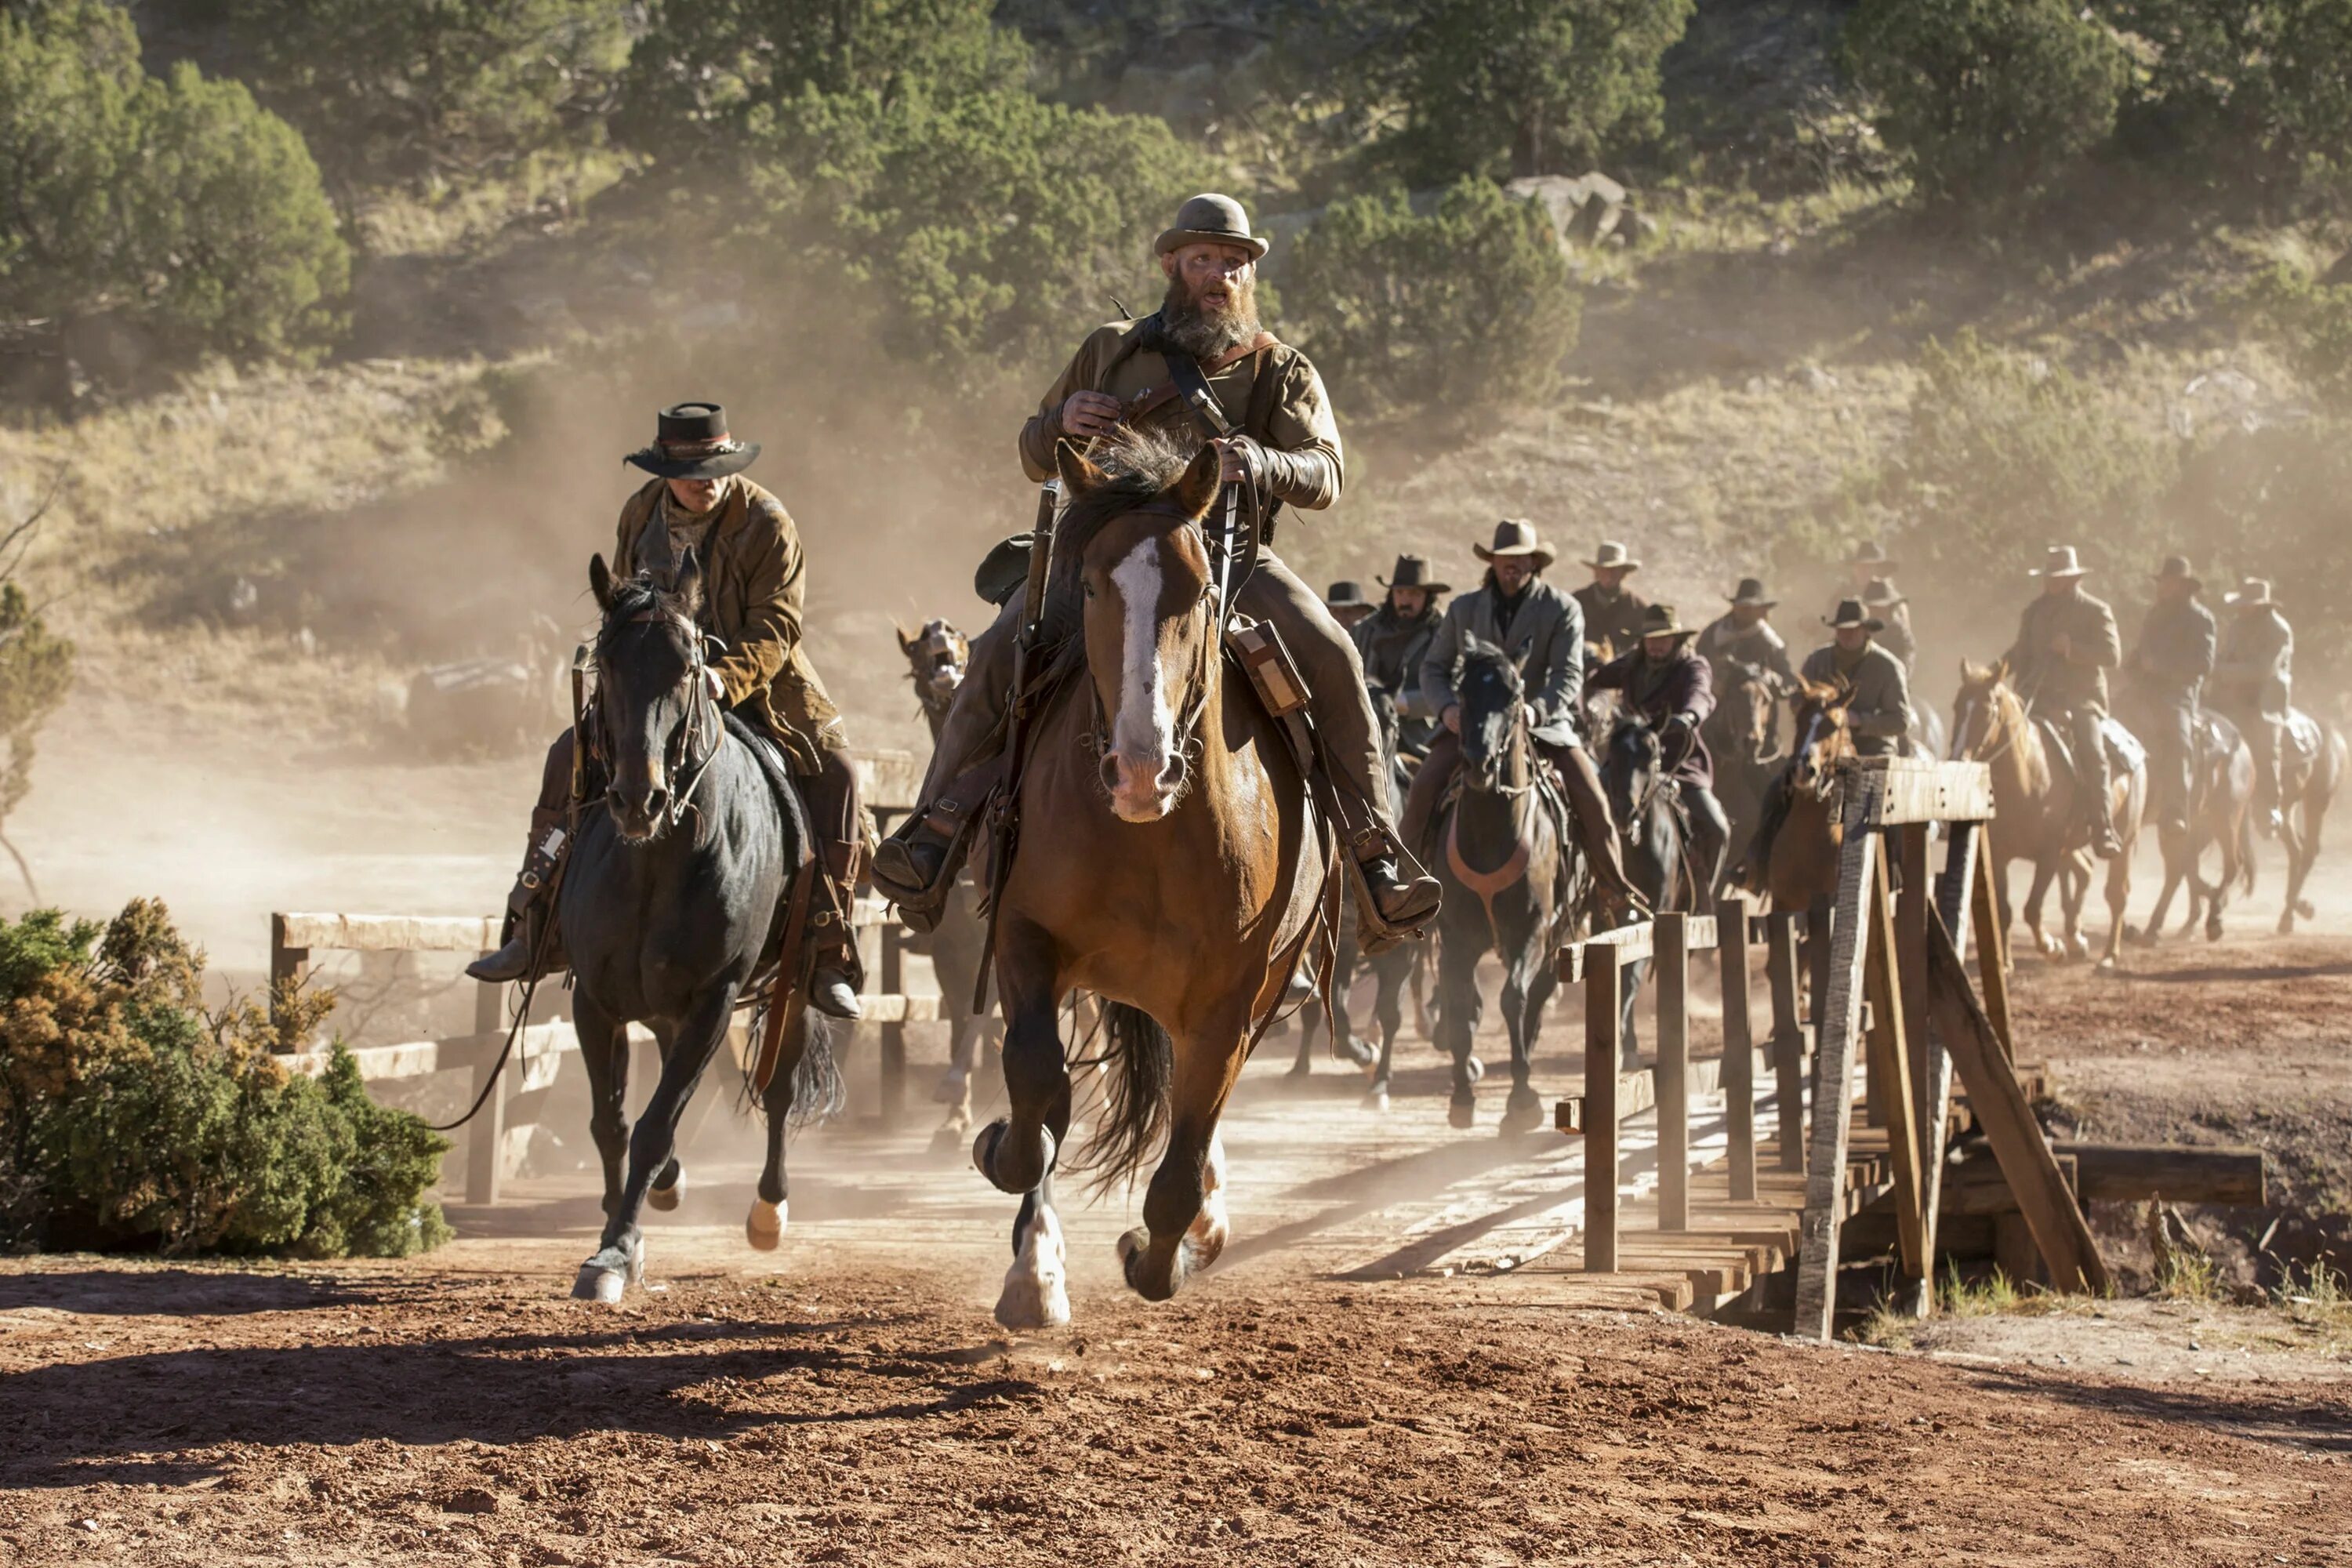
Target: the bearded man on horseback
(1665, 680)
(699, 507)
(1542, 630)
(1394, 639)
(1199, 368)
(2066, 643)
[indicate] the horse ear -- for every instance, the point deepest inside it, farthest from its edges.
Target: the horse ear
(600, 581)
(1078, 474)
(906, 643)
(2001, 671)
(689, 587)
(1196, 492)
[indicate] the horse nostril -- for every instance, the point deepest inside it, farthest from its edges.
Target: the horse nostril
(1171, 777)
(1111, 771)
(656, 802)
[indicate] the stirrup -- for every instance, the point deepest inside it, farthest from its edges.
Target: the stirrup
(945, 828)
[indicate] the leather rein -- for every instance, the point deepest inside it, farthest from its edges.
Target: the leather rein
(687, 753)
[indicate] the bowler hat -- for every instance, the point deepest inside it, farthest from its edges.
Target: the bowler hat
(691, 442)
(1613, 555)
(1514, 536)
(1413, 572)
(2059, 561)
(1751, 591)
(1849, 616)
(2176, 570)
(1211, 219)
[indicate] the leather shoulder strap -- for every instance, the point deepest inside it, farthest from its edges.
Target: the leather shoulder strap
(1152, 399)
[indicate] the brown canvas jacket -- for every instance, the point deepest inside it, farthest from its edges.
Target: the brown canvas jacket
(1878, 714)
(1617, 622)
(752, 588)
(2055, 685)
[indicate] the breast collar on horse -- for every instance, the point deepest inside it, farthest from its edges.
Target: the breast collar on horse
(698, 740)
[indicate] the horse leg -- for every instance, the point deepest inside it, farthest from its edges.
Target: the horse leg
(2302, 838)
(1184, 1224)
(1422, 1023)
(1015, 1151)
(620, 1260)
(1389, 1013)
(1305, 1063)
(669, 1182)
(763, 1226)
(604, 1053)
(1459, 1006)
(1635, 973)
(1524, 992)
(2118, 899)
(2044, 871)
(2172, 841)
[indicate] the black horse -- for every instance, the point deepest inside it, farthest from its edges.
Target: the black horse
(1506, 869)
(1644, 800)
(671, 904)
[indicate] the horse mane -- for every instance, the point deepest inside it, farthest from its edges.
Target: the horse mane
(1138, 466)
(632, 597)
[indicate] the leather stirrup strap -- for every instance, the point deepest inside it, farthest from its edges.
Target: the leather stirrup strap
(783, 994)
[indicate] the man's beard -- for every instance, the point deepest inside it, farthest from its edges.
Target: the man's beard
(1184, 325)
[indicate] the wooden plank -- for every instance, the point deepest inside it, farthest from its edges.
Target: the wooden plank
(1978, 1189)
(1952, 894)
(485, 1135)
(888, 780)
(1603, 993)
(2135, 1172)
(1992, 948)
(1672, 973)
(387, 933)
(1788, 1041)
(1837, 1016)
(896, 1009)
(893, 1061)
(1919, 790)
(2001, 1110)
(1626, 944)
(1739, 1052)
(289, 963)
(1892, 1052)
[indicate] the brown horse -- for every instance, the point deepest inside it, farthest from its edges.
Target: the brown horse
(1168, 862)
(2309, 777)
(1743, 734)
(937, 658)
(1802, 864)
(2221, 816)
(2035, 817)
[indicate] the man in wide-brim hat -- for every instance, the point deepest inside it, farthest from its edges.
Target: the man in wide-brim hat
(2066, 643)
(1200, 368)
(2254, 684)
(2171, 664)
(1665, 680)
(1744, 633)
(1612, 612)
(1542, 631)
(1345, 599)
(1893, 612)
(1393, 640)
(753, 584)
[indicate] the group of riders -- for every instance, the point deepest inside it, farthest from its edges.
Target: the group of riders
(1201, 368)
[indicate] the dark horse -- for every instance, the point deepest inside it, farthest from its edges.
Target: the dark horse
(2313, 761)
(1644, 800)
(1393, 968)
(2221, 816)
(671, 902)
(1168, 863)
(1505, 869)
(936, 658)
(1744, 735)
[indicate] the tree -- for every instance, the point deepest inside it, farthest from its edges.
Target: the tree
(1989, 100)
(1527, 86)
(2236, 81)
(1438, 317)
(72, 107)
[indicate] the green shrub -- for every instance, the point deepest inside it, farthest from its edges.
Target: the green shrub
(2232, 83)
(131, 1119)
(1440, 318)
(2311, 322)
(35, 672)
(1987, 101)
(181, 203)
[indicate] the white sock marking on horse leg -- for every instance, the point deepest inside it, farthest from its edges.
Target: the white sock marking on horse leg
(763, 1227)
(1144, 721)
(1211, 1227)
(1036, 1294)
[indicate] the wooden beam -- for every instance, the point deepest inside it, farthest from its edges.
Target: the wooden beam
(1890, 1051)
(387, 933)
(1919, 790)
(1603, 992)
(1626, 944)
(1788, 1040)
(2001, 1110)
(289, 962)
(1951, 897)
(1738, 1051)
(893, 1061)
(485, 1135)
(2135, 1173)
(1993, 947)
(888, 780)
(1672, 973)
(1837, 1016)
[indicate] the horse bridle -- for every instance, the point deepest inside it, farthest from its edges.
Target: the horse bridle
(704, 731)
(1097, 737)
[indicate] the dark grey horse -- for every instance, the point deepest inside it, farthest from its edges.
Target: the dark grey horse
(671, 903)
(1393, 968)
(1507, 871)
(1645, 802)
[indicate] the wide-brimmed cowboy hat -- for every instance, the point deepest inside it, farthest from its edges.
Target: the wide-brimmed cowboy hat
(1515, 536)
(1413, 572)
(2176, 570)
(1870, 552)
(1751, 591)
(1613, 555)
(1348, 595)
(1211, 219)
(2252, 594)
(2059, 561)
(1849, 613)
(691, 442)
(1879, 593)
(1660, 621)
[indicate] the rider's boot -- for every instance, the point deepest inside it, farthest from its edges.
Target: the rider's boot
(2090, 772)
(1596, 833)
(533, 945)
(2268, 817)
(1402, 901)
(1754, 872)
(833, 987)
(917, 864)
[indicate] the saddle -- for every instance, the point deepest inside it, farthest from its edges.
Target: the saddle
(2124, 751)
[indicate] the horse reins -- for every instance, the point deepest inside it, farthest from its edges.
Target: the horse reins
(688, 772)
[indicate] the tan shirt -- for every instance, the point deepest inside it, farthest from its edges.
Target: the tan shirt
(1301, 422)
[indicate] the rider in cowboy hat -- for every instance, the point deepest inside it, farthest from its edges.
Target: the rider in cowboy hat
(1744, 633)
(1272, 422)
(1394, 639)
(1542, 630)
(1348, 604)
(1870, 564)
(2066, 643)
(2170, 663)
(754, 578)
(2255, 685)
(1668, 683)
(1612, 612)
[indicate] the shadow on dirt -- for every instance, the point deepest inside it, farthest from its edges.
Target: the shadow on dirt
(2309, 1421)
(173, 1292)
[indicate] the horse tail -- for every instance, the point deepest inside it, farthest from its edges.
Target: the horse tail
(1141, 1063)
(2246, 850)
(819, 1093)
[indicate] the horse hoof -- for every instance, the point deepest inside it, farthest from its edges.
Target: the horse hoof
(2212, 931)
(1299, 1069)
(1522, 1113)
(1376, 1099)
(606, 1277)
(950, 1090)
(2286, 923)
(665, 1198)
(1461, 1113)
(2306, 908)
(1473, 1068)
(1012, 1167)
(763, 1227)
(1356, 1053)
(950, 1137)
(1036, 1292)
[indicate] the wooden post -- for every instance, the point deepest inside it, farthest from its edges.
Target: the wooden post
(893, 1062)
(1604, 994)
(1992, 948)
(1953, 891)
(485, 1135)
(1821, 929)
(1891, 1056)
(1912, 902)
(1788, 1039)
(1999, 1103)
(288, 968)
(1739, 1045)
(1672, 973)
(1837, 1015)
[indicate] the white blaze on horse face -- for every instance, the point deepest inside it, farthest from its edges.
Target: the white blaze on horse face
(1144, 736)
